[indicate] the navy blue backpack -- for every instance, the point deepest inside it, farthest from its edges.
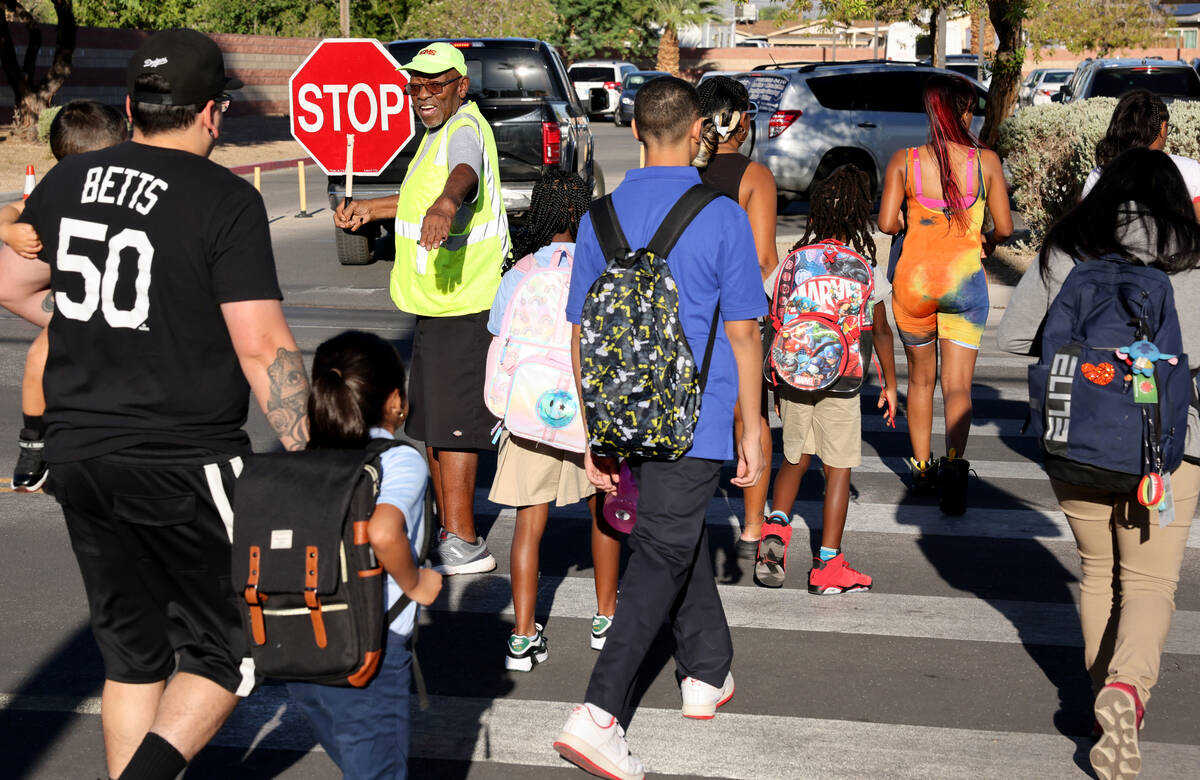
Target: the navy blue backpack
(1088, 405)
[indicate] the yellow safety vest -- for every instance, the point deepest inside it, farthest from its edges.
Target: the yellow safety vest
(461, 276)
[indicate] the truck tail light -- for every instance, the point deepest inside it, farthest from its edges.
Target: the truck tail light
(780, 121)
(612, 85)
(551, 143)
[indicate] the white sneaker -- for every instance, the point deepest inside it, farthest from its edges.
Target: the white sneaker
(593, 741)
(700, 700)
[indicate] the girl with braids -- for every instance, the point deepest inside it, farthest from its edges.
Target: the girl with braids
(939, 293)
(530, 475)
(1141, 120)
(725, 109)
(828, 426)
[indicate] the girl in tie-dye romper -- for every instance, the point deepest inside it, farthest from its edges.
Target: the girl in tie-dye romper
(939, 293)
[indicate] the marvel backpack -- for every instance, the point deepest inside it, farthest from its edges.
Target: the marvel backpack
(641, 386)
(1110, 392)
(529, 383)
(820, 320)
(312, 591)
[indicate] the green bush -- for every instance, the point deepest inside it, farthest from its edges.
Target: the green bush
(1050, 150)
(43, 123)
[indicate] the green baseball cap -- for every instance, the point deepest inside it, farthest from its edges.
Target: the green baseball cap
(437, 57)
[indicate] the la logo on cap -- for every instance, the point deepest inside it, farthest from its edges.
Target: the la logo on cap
(154, 63)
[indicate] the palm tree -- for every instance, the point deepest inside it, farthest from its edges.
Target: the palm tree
(670, 16)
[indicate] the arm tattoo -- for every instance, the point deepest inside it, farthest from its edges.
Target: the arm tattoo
(288, 402)
(48, 303)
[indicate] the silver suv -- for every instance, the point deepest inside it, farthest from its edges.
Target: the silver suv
(1169, 79)
(814, 117)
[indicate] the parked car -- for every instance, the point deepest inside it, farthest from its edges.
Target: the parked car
(1169, 79)
(523, 90)
(1044, 86)
(629, 87)
(598, 85)
(967, 65)
(1027, 85)
(814, 118)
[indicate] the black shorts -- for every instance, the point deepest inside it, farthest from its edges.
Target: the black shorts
(151, 531)
(445, 391)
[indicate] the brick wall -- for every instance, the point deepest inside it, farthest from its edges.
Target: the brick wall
(263, 62)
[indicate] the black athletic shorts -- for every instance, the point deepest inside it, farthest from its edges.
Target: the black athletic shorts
(151, 530)
(445, 390)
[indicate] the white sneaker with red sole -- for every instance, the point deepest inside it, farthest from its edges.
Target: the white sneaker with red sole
(700, 700)
(593, 741)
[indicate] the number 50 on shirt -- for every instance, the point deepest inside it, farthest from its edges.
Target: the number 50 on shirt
(100, 286)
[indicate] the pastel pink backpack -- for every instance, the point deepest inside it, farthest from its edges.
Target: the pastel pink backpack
(529, 383)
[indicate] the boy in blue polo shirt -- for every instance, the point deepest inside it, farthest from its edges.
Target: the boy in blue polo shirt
(669, 576)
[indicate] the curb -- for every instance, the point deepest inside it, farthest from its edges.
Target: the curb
(272, 165)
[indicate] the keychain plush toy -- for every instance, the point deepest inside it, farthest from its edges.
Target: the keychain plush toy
(1141, 356)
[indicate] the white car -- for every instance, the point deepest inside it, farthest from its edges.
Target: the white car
(1048, 82)
(598, 84)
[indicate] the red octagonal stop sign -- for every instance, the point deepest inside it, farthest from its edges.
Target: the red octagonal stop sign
(350, 86)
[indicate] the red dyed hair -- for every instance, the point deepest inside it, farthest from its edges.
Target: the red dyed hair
(947, 98)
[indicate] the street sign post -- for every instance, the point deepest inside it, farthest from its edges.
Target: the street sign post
(348, 94)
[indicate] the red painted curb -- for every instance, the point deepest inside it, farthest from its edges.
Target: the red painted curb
(273, 165)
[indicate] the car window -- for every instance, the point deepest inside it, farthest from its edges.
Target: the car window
(1056, 78)
(894, 92)
(1174, 82)
(765, 91)
(499, 71)
(592, 73)
(638, 79)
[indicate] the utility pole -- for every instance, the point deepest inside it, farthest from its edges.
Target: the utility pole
(344, 17)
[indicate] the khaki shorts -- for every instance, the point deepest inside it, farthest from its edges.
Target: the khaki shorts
(529, 473)
(829, 427)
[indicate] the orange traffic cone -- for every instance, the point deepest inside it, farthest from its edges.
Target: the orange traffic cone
(30, 180)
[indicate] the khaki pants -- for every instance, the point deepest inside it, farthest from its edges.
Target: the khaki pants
(1130, 571)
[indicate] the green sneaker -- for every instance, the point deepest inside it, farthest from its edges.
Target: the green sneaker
(600, 626)
(525, 652)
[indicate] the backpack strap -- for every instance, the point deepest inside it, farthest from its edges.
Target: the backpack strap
(680, 216)
(608, 229)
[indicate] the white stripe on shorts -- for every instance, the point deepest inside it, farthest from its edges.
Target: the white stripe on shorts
(246, 686)
(212, 472)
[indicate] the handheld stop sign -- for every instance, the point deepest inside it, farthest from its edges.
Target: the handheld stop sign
(348, 108)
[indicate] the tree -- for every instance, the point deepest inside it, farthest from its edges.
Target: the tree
(470, 18)
(671, 16)
(1102, 26)
(597, 27)
(32, 95)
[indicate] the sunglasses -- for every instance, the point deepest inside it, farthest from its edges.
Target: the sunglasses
(752, 110)
(434, 88)
(223, 100)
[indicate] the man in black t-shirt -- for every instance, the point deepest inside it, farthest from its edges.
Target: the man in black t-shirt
(167, 312)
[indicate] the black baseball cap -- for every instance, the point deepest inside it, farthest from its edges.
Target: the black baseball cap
(189, 61)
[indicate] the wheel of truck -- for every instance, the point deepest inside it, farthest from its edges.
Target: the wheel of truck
(597, 182)
(353, 248)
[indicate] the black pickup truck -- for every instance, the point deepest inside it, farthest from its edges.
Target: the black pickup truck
(523, 90)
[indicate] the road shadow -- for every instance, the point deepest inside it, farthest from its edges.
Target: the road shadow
(1033, 575)
(461, 689)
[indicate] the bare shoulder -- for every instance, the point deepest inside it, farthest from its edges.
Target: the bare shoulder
(759, 174)
(897, 160)
(990, 160)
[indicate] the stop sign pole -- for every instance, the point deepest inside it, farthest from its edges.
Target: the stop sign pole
(348, 109)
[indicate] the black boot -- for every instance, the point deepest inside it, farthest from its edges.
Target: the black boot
(952, 484)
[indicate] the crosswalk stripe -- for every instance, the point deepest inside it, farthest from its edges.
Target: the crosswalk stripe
(739, 746)
(873, 614)
(868, 517)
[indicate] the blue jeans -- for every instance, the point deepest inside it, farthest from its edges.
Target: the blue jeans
(364, 730)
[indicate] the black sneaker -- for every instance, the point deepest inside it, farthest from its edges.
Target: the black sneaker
(31, 470)
(952, 484)
(924, 475)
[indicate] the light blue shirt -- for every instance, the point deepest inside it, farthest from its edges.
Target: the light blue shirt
(513, 277)
(403, 484)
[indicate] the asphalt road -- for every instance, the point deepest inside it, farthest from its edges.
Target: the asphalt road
(964, 661)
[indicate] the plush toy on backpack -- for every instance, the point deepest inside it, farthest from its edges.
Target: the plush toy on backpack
(530, 385)
(821, 319)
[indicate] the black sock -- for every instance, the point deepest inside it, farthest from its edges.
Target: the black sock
(34, 423)
(155, 759)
